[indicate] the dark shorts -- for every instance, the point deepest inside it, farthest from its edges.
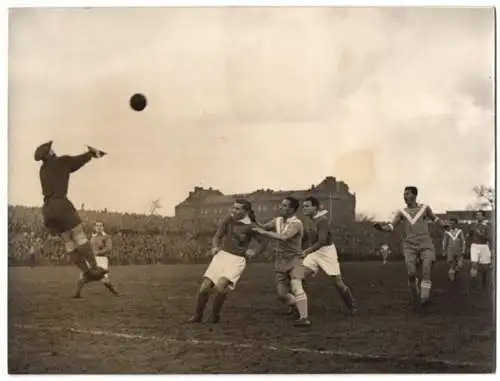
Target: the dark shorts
(59, 216)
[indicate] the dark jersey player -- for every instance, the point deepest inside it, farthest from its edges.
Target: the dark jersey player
(59, 215)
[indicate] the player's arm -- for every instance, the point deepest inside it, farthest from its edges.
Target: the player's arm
(463, 242)
(293, 229)
(269, 226)
(446, 240)
(74, 163)
(434, 218)
(262, 245)
(322, 229)
(390, 226)
(219, 235)
(109, 244)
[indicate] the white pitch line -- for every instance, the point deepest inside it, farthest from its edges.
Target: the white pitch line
(156, 284)
(331, 353)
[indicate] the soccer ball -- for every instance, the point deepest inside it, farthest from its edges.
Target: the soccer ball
(138, 102)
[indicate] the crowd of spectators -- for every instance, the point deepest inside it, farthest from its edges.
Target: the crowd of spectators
(151, 239)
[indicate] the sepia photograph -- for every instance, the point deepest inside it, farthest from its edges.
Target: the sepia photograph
(251, 190)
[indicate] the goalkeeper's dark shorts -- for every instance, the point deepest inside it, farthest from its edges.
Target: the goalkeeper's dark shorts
(60, 215)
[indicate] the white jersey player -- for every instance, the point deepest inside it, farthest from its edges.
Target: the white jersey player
(101, 245)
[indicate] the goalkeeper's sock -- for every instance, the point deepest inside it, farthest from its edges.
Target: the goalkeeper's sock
(79, 287)
(219, 300)
(201, 304)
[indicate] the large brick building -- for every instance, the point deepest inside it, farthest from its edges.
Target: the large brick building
(213, 204)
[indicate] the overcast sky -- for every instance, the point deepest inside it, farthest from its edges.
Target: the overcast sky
(241, 99)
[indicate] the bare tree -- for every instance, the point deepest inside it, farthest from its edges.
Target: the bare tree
(485, 198)
(155, 205)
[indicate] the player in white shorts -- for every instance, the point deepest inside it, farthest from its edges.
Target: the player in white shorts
(385, 252)
(480, 252)
(322, 253)
(230, 249)
(101, 245)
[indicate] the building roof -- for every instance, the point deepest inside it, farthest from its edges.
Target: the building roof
(210, 196)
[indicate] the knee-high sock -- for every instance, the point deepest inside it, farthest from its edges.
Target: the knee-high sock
(300, 298)
(347, 297)
(79, 286)
(201, 302)
(219, 300)
(425, 289)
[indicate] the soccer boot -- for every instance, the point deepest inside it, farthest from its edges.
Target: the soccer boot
(302, 322)
(195, 319)
(349, 311)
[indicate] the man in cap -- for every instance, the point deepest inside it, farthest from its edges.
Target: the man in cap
(59, 215)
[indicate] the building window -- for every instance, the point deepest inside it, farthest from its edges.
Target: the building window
(264, 208)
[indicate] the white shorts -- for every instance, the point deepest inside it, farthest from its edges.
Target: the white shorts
(226, 265)
(480, 254)
(325, 258)
(103, 262)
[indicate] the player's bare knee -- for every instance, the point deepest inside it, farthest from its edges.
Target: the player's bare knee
(411, 268)
(80, 239)
(223, 285)
(297, 287)
(206, 286)
(69, 245)
(106, 280)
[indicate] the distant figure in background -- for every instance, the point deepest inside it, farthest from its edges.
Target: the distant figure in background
(385, 252)
(480, 251)
(101, 245)
(59, 215)
(454, 248)
(35, 249)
